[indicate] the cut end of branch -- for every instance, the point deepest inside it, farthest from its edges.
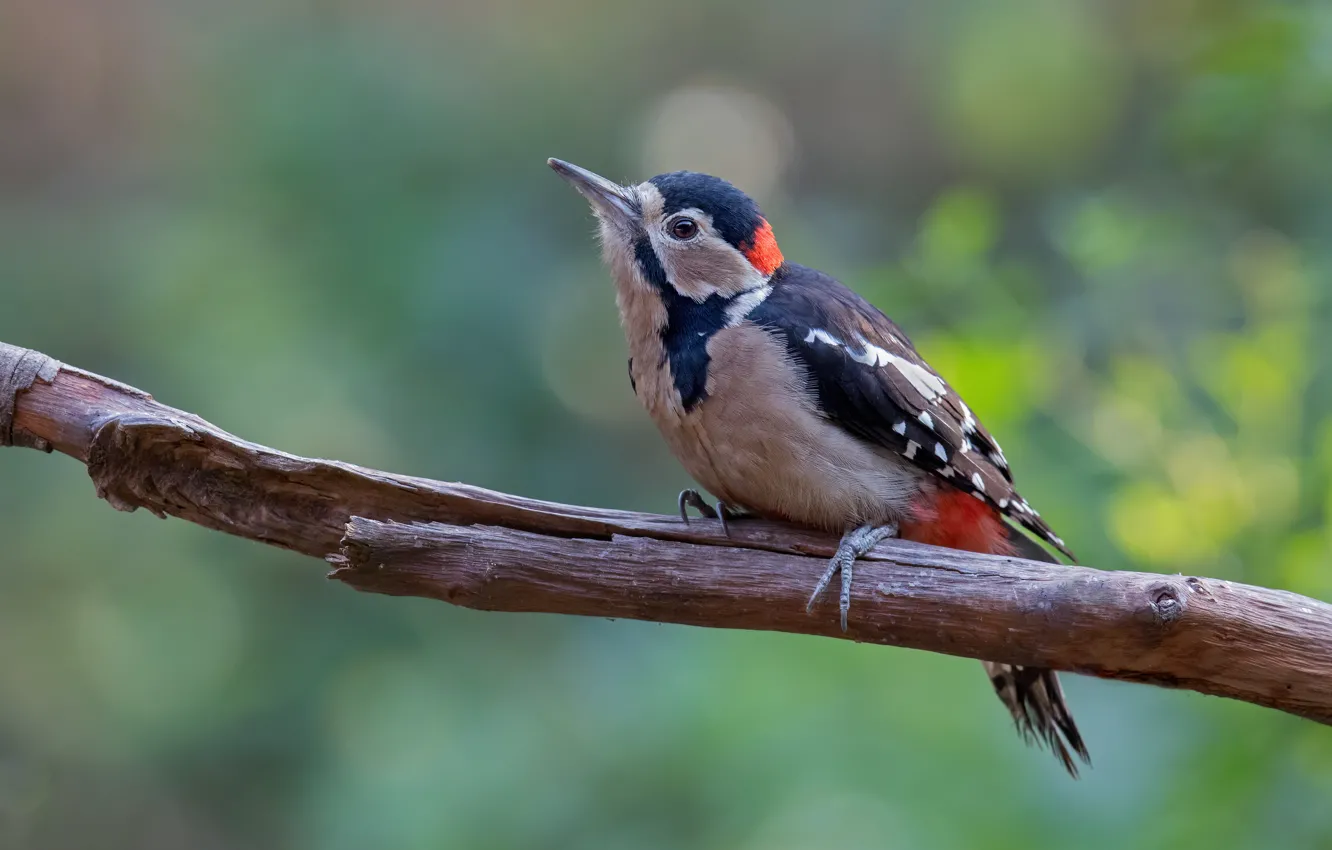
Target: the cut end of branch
(19, 368)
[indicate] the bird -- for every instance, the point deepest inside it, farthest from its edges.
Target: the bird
(788, 396)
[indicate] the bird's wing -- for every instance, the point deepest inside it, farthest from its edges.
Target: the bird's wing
(871, 381)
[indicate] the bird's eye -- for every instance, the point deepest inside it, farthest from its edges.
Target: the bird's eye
(684, 228)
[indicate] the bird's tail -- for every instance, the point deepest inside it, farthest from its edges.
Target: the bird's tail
(1032, 694)
(1034, 698)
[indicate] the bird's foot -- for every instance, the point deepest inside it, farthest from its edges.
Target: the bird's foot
(691, 499)
(724, 512)
(855, 543)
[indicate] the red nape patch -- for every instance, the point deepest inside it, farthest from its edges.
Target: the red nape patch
(762, 251)
(960, 521)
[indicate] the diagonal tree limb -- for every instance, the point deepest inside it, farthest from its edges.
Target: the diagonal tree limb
(400, 535)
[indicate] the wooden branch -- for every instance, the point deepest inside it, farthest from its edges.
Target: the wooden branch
(399, 535)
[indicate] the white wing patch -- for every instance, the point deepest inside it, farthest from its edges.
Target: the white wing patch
(871, 356)
(929, 385)
(1021, 506)
(968, 420)
(822, 336)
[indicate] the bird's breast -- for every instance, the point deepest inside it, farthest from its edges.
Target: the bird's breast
(756, 439)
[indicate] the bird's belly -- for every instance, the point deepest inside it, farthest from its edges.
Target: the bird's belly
(758, 441)
(802, 471)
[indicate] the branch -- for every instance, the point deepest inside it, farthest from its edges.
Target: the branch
(400, 535)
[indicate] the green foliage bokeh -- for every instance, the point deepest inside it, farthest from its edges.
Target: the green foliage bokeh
(327, 226)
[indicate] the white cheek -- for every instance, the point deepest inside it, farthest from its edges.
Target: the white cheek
(706, 264)
(686, 265)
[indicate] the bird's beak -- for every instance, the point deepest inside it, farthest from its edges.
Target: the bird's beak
(610, 200)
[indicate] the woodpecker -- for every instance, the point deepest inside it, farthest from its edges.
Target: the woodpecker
(788, 396)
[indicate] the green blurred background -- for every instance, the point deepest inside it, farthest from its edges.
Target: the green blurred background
(328, 226)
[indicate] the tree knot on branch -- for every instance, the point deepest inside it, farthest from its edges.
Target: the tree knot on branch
(116, 461)
(1167, 603)
(19, 367)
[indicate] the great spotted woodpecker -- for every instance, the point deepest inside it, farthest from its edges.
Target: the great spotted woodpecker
(787, 395)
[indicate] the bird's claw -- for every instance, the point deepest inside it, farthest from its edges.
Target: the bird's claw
(692, 499)
(854, 544)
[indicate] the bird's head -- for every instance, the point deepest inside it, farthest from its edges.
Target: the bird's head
(692, 233)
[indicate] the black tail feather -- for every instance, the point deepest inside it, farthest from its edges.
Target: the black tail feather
(1033, 694)
(1036, 701)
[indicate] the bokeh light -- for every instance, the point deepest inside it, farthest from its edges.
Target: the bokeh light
(719, 129)
(329, 227)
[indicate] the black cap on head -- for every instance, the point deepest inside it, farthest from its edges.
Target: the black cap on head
(734, 214)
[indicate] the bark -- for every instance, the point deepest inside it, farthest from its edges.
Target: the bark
(469, 546)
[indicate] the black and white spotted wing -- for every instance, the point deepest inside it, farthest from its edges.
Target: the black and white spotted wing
(871, 381)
